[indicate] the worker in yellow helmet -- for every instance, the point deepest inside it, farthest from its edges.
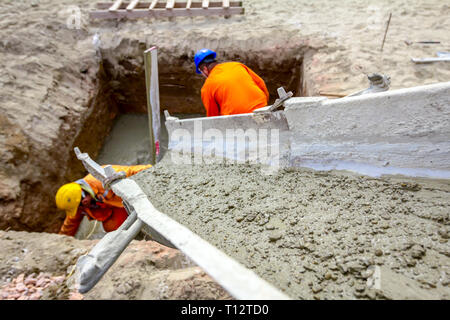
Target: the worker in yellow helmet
(87, 197)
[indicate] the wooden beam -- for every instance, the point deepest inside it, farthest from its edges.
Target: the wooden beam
(156, 13)
(162, 4)
(132, 5)
(188, 4)
(153, 107)
(115, 6)
(205, 4)
(170, 4)
(152, 5)
(225, 3)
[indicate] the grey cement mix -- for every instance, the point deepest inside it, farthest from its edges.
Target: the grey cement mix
(126, 144)
(315, 234)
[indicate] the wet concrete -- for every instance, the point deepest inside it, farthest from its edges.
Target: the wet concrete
(315, 235)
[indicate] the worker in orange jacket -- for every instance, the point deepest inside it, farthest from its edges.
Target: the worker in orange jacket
(87, 197)
(230, 87)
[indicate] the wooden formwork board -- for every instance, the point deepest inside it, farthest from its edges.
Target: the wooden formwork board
(167, 8)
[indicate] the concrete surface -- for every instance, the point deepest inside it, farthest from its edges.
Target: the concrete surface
(403, 131)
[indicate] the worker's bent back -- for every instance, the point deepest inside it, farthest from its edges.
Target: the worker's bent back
(233, 88)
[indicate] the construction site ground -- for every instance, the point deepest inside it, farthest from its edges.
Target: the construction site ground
(63, 84)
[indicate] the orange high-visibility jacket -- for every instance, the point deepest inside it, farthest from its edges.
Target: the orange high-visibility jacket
(108, 208)
(233, 88)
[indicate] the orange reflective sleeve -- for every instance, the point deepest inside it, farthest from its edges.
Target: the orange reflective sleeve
(259, 82)
(70, 225)
(212, 109)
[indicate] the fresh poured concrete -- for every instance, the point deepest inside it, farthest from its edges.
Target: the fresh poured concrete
(315, 234)
(236, 279)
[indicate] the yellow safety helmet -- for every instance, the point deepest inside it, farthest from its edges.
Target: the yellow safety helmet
(68, 198)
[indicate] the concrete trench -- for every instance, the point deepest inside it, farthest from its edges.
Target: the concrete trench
(178, 89)
(118, 88)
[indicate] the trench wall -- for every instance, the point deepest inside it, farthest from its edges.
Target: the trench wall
(180, 86)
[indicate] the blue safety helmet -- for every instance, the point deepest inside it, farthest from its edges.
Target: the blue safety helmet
(202, 55)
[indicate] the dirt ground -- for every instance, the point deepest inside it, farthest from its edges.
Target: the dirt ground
(315, 235)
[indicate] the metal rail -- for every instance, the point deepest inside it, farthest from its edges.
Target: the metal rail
(169, 8)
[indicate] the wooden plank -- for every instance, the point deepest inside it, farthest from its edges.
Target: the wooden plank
(170, 4)
(162, 5)
(132, 5)
(152, 5)
(205, 4)
(188, 4)
(156, 13)
(115, 6)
